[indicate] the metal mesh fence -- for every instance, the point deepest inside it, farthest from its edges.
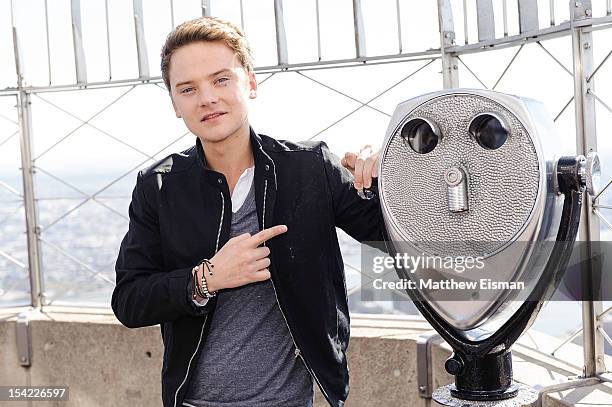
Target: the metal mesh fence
(99, 112)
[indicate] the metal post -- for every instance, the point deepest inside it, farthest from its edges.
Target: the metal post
(205, 5)
(27, 169)
(450, 62)
(586, 141)
(485, 19)
(77, 42)
(360, 44)
(281, 37)
(141, 45)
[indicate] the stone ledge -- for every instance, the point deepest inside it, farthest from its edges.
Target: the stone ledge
(80, 348)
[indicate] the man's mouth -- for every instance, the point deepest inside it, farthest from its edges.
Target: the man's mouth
(212, 116)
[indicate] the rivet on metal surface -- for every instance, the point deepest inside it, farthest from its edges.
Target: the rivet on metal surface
(23, 339)
(424, 368)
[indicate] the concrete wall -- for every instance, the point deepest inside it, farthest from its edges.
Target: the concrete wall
(106, 364)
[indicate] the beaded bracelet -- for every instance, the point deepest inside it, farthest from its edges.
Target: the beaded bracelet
(202, 287)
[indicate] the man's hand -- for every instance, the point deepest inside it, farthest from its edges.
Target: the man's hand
(240, 261)
(363, 166)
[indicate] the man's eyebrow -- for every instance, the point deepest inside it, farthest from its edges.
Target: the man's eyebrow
(224, 70)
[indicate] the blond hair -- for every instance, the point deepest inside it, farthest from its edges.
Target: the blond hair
(205, 29)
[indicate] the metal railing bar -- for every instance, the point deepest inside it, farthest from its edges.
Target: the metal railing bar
(357, 63)
(205, 4)
(48, 226)
(281, 37)
(508, 67)
(602, 191)
(600, 316)
(555, 59)
(112, 183)
(465, 23)
(9, 119)
(594, 24)
(590, 92)
(602, 206)
(48, 41)
(138, 165)
(13, 260)
(399, 25)
(342, 93)
(172, 14)
(3, 142)
(94, 127)
(141, 43)
(85, 194)
(159, 85)
(108, 46)
(485, 20)
(608, 7)
(354, 268)
(95, 273)
(359, 30)
(599, 66)
(505, 17)
(303, 66)
(590, 29)
(374, 98)
(557, 31)
(603, 218)
(318, 30)
(265, 79)
(73, 209)
(535, 345)
(528, 15)
(73, 198)
(567, 340)
(242, 15)
(472, 72)
(80, 64)
(605, 335)
(84, 123)
(353, 290)
(569, 102)
(551, 7)
(10, 189)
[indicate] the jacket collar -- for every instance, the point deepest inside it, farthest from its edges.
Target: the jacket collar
(265, 175)
(261, 157)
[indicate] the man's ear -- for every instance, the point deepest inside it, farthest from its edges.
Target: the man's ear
(176, 112)
(252, 85)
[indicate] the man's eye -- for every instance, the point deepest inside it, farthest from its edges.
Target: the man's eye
(221, 80)
(186, 90)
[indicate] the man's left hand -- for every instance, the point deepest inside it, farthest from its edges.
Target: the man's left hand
(363, 166)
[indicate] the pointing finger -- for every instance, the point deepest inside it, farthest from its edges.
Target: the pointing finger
(267, 234)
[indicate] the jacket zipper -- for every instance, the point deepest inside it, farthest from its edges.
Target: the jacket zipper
(297, 350)
(190, 360)
(206, 317)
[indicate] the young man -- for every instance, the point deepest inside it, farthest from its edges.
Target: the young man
(232, 245)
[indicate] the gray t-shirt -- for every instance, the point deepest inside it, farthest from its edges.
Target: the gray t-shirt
(248, 359)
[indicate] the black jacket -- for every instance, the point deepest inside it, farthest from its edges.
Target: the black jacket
(181, 212)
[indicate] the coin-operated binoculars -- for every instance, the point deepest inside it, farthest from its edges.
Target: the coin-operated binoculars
(467, 174)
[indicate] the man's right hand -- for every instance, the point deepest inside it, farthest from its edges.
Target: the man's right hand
(241, 261)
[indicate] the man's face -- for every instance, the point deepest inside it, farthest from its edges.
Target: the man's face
(210, 89)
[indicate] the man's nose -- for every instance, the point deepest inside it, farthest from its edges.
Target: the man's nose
(208, 96)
